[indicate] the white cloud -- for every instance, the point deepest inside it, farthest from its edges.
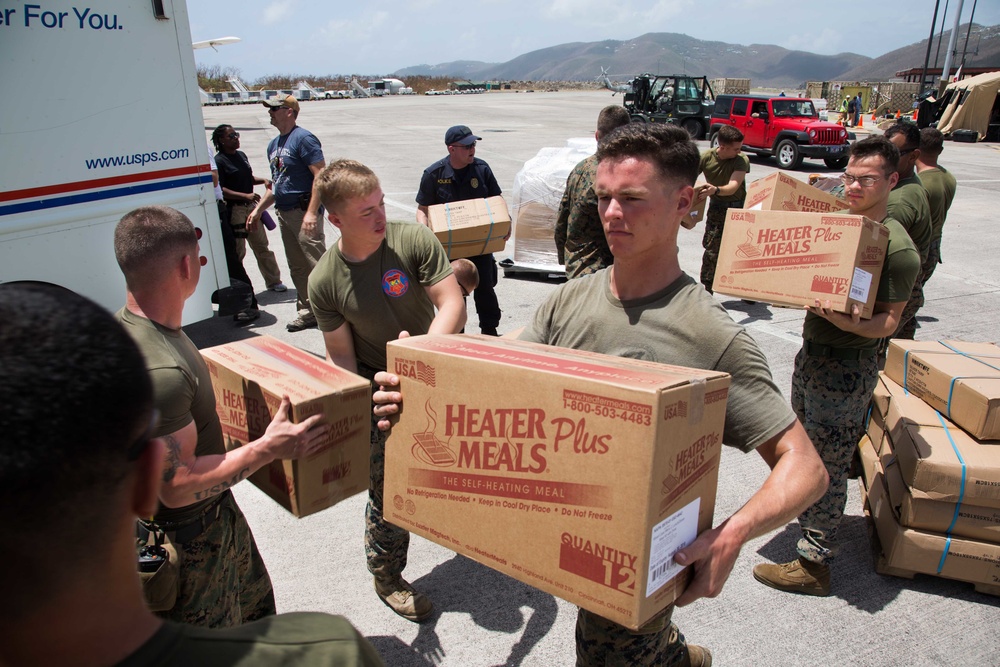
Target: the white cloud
(277, 11)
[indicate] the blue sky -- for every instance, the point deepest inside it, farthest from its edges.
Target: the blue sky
(381, 36)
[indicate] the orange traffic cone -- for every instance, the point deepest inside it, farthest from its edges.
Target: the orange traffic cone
(914, 115)
(874, 119)
(861, 120)
(898, 114)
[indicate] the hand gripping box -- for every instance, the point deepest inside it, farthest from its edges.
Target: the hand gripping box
(577, 473)
(471, 227)
(792, 259)
(959, 379)
(781, 192)
(938, 460)
(250, 377)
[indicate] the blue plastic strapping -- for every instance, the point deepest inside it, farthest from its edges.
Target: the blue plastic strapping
(447, 214)
(961, 492)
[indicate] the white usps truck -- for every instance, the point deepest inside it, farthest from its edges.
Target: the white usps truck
(102, 116)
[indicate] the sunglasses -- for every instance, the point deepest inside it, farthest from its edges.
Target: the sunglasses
(233, 135)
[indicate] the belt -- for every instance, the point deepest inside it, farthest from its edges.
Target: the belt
(842, 353)
(186, 531)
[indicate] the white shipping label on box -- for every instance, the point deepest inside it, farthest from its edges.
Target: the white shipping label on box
(668, 537)
(861, 285)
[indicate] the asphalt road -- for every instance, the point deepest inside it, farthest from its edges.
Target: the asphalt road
(486, 618)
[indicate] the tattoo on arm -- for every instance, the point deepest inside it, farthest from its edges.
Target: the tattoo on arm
(173, 461)
(222, 486)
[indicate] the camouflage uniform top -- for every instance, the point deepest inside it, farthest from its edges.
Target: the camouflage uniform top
(908, 204)
(899, 272)
(182, 392)
(720, 172)
(580, 241)
(290, 639)
(940, 185)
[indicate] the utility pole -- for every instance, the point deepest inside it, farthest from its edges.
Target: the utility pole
(946, 70)
(927, 56)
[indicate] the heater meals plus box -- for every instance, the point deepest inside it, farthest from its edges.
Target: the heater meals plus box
(249, 378)
(577, 473)
(792, 259)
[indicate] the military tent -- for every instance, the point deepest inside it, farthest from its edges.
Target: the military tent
(971, 104)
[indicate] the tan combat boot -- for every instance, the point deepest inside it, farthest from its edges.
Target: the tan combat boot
(698, 656)
(399, 596)
(799, 576)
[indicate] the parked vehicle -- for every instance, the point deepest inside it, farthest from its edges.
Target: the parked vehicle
(679, 99)
(788, 128)
(77, 162)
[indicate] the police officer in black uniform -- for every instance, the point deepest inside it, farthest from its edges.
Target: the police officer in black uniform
(458, 176)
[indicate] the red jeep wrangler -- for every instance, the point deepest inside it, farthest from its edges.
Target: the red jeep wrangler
(788, 128)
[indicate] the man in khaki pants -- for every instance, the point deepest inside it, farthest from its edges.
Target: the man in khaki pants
(237, 181)
(295, 157)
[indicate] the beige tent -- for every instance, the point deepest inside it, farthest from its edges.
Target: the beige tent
(970, 103)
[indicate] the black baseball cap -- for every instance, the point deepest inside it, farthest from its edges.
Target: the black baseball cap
(459, 135)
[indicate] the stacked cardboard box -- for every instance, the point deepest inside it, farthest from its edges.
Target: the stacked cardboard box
(249, 378)
(933, 489)
(781, 192)
(583, 478)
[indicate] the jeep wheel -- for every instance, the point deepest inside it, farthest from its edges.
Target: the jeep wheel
(639, 118)
(713, 141)
(788, 154)
(693, 128)
(836, 162)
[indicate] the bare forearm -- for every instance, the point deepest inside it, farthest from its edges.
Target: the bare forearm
(207, 476)
(450, 318)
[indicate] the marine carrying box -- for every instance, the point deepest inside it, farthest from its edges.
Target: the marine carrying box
(471, 227)
(959, 379)
(938, 460)
(792, 259)
(577, 473)
(250, 377)
(781, 192)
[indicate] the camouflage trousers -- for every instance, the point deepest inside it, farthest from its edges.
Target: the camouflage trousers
(908, 320)
(715, 221)
(933, 259)
(223, 581)
(385, 544)
(830, 398)
(604, 643)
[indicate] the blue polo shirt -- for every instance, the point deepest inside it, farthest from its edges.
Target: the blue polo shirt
(441, 184)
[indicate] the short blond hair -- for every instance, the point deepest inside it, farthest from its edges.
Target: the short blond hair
(466, 274)
(344, 179)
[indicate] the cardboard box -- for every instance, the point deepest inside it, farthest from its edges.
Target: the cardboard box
(577, 473)
(915, 511)
(696, 214)
(792, 259)
(250, 377)
(781, 192)
(936, 456)
(471, 227)
(960, 380)
(906, 551)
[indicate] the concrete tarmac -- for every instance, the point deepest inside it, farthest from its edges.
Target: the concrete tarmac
(486, 618)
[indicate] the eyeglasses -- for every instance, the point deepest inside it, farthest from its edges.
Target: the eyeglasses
(907, 150)
(233, 135)
(136, 449)
(863, 181)
(467, 146)
(273, 109)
